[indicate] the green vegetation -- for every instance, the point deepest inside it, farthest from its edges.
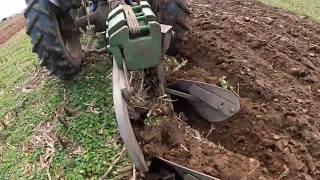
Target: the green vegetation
(79, 140)
(76, 135)
(310, 8)
(223, 82)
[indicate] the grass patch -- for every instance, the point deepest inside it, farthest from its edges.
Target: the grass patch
(16, 60)
(80, 111)
(152, 121)
(93, 127)
(310, 8)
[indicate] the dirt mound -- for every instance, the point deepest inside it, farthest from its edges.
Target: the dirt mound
(175, 142)
(11, 27)
(272, 55)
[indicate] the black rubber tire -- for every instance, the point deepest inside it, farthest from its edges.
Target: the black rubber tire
(176, 14)
(43, 28)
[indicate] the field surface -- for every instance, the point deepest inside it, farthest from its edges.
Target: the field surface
(11, 27)
(52, 129)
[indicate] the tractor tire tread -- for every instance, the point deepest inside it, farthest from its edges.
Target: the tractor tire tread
(183, 6)
(182, 23)
(180, 27)
(45, 43)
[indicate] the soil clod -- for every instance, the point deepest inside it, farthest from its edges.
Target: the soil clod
(271, 56)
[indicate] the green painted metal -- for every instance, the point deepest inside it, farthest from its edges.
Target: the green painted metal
(140, 51)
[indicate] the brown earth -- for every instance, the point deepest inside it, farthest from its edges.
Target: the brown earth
(11, 27)
(273, 56)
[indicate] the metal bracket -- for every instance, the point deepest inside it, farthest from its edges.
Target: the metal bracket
(166, 31)
(181, 94)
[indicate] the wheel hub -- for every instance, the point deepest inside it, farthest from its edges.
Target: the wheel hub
(68, 36)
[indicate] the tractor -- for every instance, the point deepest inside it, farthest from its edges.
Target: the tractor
(137, 34)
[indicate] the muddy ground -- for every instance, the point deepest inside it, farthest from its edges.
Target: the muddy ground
(273, 56)
(11, 27)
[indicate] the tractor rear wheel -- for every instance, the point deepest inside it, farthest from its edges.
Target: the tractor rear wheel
(174, 13)
(54, 38)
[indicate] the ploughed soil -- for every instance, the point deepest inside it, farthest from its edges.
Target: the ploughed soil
(273, 57)
(11, 27)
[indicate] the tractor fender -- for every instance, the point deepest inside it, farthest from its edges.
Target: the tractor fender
(66, 5)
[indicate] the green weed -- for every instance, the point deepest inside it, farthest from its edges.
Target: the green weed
(310, 8)
(152, 121)
(88, 132)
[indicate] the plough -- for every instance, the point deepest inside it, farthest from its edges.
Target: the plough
(137, 34)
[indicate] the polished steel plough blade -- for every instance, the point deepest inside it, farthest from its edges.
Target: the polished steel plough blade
(211, 102)
(124, 125)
